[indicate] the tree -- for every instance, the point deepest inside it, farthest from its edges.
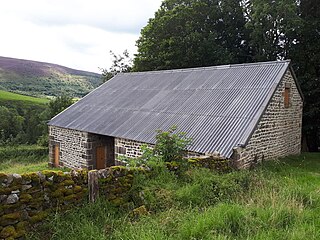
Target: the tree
(10, 125)
(32, 125)
(273, 27)
(58, 105)
(306, 62)
(120, 63)
(291, 29)
(193, 33)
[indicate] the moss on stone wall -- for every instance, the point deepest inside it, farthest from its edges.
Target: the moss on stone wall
(28, 199)
(215, 163)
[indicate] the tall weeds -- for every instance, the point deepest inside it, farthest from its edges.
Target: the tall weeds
(276, 201)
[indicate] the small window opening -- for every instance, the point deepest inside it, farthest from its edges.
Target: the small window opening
(287, 97)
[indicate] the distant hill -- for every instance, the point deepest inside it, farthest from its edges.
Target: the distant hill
(45, 79)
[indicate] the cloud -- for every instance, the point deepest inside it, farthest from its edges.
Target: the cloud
(74, 33)
(115, 16)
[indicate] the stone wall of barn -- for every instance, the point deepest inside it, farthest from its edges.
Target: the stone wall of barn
(125, 148)
(278, 133)
(77, 149)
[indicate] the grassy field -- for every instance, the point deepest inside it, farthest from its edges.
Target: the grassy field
(23, 158)
(279, 200)
(9, 96)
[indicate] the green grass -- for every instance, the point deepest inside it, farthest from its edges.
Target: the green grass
(279, 200)
(23, 158)
(9, 96)
(26, 168)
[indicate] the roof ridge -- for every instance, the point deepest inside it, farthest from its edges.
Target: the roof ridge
(225, 66)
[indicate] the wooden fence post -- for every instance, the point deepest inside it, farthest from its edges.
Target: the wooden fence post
(93, 185)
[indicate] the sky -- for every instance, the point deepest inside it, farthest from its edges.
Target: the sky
(74, 33)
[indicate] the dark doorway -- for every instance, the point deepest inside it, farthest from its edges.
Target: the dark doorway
(101, 157)
(104, 151)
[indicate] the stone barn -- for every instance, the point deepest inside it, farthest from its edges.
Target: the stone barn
(244, 112)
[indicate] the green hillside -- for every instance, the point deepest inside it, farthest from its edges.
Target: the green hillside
(9, 96)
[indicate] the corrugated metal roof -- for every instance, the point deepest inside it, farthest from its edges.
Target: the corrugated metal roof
(218, 107)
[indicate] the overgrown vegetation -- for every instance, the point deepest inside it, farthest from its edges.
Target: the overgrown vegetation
(169, 149)
(171, 145)
(23, 158)
(279, 200)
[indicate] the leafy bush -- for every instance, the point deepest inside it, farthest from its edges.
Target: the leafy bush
(10, 152)
(171, 146)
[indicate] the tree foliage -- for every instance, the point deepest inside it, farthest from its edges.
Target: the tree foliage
(58, 104)
(10, 125)
(192, 33)
(23, 123)
(120, 63)
(306, 62)
(273, 27)
(171, 146)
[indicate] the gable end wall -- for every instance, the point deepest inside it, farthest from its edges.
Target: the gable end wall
(278, 132)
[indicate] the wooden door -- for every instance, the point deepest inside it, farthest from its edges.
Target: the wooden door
(101, 157)
(56, 155)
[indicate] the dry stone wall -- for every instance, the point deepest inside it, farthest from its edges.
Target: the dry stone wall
(278, 133)
(213, 162)
(28, 199)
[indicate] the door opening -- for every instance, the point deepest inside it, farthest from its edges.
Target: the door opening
(56, 155)
(101, 157)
